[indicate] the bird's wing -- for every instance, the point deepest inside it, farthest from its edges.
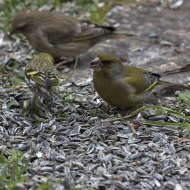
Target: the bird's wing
(56, 36)
(127, 86)
(69, 30)
(42, 79)
(90, 31)
(62, 29)
(51, 80)
(150, 80)
(36, 76)
(136, 86)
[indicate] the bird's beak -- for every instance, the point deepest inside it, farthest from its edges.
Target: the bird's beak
(11, 33)
(95, 63)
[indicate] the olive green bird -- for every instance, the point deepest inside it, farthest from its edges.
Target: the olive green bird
(58, 34)
(42, 77)
(126, 86)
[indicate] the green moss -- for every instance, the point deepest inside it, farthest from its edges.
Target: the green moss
(12, 170)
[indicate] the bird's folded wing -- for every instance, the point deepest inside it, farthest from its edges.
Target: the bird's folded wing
(135, 86)
(90, 31)
(52, 80)
(127, 86)
(57, 34)
(35, 76)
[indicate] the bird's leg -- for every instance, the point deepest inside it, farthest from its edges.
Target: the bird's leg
(126, 117)
(33, 102)
(34, 99)
(48, 102)
(61, 64)
(31, 105)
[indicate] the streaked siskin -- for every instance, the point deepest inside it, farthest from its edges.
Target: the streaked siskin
(41, 77)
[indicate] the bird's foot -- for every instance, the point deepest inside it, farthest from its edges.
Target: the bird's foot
(32, 108)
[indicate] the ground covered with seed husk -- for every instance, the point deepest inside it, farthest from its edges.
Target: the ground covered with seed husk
(80, 141)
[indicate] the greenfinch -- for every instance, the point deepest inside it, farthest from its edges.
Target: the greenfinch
(42, 77)
(125, 86)
(59, 35)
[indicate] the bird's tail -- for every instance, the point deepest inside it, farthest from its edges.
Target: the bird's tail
(124, 33)
(186, 68)
(115, 30)
(168, 89)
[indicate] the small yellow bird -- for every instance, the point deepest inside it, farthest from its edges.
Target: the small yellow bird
(42, 77)
(126, 86)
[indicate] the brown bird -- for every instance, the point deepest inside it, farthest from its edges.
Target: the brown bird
(59, 35)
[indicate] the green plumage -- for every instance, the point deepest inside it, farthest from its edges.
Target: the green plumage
(124, 86)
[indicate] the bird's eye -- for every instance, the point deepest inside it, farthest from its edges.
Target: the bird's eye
(107, 63)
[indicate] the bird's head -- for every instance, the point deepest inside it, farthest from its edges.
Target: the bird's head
(46, 57)
(106, 62)
(21, 22)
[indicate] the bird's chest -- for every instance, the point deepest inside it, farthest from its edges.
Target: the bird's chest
(110, 90)
(38, 41)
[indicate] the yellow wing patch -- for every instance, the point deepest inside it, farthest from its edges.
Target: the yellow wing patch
(151, 86)
(31, 73)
